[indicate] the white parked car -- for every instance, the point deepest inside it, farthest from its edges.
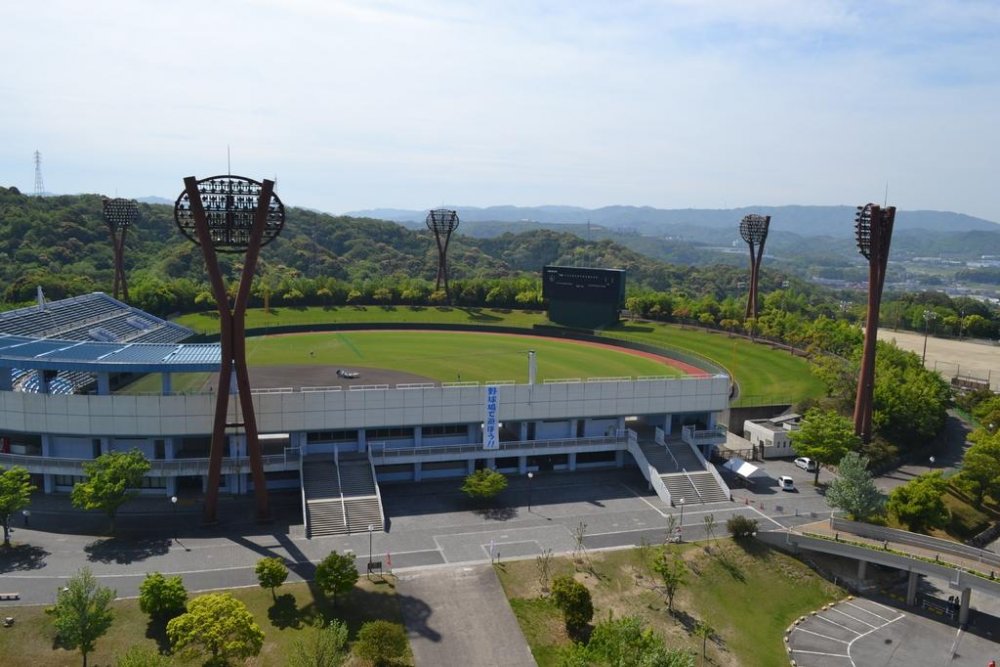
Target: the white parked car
(786, 483)
(806, 463)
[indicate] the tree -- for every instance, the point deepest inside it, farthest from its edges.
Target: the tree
(573, 599)
(484, 484)
(216, 624)
(381, 642)
(324, 647)
(140, 656)
(705, 632)
(336, 574)
(918, 503)
(673, 572)
(82, 613)
(162, 597)
(110, 480)
(271, 573)
(15, 495)
(980, 473)
(710, 524)
(741, 527)
(854, 490)
(544, 564)
(626, 642)
(824, 436)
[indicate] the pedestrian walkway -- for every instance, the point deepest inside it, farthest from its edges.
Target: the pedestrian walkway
(461, 617)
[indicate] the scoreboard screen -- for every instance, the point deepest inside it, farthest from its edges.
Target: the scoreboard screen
(583, 284)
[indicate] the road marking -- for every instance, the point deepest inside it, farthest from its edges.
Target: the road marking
(831, 655)
(868, 633)
(867, 611)
(832, 622)
(833, 639)
(838, 610)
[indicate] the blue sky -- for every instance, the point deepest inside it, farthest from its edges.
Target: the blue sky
(674, 104)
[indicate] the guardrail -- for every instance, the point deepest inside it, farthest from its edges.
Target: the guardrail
(651, 474)
(380, 453)
(914, 539)
(378, 493)
(158, 468)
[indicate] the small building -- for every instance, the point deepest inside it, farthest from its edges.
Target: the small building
(770, 438)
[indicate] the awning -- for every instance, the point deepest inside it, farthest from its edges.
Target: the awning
(740, 468)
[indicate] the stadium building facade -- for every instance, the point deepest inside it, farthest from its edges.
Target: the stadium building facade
(58, 410)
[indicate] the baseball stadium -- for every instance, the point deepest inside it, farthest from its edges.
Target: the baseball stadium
(341, 412)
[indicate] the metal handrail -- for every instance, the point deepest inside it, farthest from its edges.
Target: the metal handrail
(158, 467)
(380, 451)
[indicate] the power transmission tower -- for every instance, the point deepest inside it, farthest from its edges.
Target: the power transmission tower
(39, 183)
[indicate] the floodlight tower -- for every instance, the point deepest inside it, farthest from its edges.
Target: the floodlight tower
(231, 214)
(753, 229)
(442, 222)
(873, 228)
(120, 214)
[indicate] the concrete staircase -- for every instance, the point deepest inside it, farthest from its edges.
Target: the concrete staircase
(695, 486)
(340, 499)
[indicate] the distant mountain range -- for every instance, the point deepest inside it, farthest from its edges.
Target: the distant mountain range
(837, 221)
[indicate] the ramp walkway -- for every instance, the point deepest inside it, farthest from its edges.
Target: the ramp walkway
(340, 495)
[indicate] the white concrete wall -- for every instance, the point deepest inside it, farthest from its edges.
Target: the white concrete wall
(145, 416)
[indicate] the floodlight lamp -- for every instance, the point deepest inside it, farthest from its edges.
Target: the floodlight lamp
(863, 229)
(753, 228)
(442, 221)
(229, 203)
(120, 213)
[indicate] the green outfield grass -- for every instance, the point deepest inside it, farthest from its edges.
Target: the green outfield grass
(442, 356)
(765, 375)
(208, 322)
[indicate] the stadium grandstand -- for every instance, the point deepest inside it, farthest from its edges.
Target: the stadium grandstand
(60, 364)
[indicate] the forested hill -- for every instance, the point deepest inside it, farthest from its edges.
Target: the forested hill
(63, 244)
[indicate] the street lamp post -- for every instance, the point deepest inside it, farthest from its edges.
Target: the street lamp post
(531, 476)
(928, 316)
(680, 528)
(371, 531)
(27, 515)
(173, 504)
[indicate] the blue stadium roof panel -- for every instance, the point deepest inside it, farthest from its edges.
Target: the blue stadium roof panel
(31, 353)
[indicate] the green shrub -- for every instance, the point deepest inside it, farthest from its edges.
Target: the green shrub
(381, 642)
(741, 527)
(574, 601)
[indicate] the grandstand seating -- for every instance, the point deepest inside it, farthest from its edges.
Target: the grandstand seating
(91, 317)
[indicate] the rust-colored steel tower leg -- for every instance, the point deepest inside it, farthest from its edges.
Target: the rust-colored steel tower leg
(874, 234)
(753, 229)
(233, 349)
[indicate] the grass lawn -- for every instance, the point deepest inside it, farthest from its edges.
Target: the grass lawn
(31, 641)
(765, 375)
(442, 356)
(748, 595)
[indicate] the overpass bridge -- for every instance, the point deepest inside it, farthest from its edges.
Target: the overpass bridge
(965, 568)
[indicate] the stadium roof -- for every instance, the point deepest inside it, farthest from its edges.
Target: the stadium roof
(50, 354)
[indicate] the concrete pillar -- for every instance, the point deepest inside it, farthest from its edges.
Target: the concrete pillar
(48, 481)
(6, 379)
(171, 486)
(963, 612)
(911, 588)
(619, 459)
(667, 424)
(166, 386)
(474, 433)
(418, 471)
(362, 440)
(491, 463)
(103, 384)
(105, 445)
(862, 570)
(470, 466)
(418, 436)
(522, 464)
(523, 435)
(43, 384)
(572, 461)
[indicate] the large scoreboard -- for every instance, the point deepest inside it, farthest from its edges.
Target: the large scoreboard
(582, 296)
